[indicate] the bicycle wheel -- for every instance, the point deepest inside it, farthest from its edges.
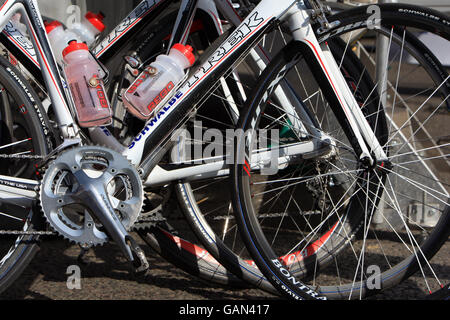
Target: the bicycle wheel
(335, 225)
(210, 212)
(24, 131)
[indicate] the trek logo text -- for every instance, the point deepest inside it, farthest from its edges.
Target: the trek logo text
(235, 38)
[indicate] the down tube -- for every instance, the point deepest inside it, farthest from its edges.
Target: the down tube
(158, 130)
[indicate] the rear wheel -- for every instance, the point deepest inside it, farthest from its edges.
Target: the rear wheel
(210, 211)
(163, 227)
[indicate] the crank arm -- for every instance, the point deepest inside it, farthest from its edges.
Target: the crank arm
(93, 195)
(67, 143)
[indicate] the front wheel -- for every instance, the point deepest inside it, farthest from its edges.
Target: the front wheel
(24, 133)
(345, 230)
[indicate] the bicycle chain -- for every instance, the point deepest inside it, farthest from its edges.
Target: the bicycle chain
(267, 215)
(27, 233)
(144, 221)
(22, 156)
(149, 220)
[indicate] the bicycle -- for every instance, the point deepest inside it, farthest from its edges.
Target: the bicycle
(160, 236)
(154, 229)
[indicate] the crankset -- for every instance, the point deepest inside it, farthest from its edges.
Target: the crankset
(90, 194)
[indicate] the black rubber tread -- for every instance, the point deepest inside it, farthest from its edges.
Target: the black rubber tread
(218, 248)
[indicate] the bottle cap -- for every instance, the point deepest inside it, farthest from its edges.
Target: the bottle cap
(186, 50)
(74, 46)
(49, 26)
(96, 20)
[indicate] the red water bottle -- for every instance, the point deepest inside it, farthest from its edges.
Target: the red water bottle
(86, 86)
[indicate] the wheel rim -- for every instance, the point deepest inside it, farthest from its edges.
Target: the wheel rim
(356, 287)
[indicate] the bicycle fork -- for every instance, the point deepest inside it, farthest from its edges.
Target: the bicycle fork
(331, 80)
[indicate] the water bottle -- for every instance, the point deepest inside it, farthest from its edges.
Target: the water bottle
(89, 28)
(18, 25)
(59, 38)
(157, 81)
(86, 86)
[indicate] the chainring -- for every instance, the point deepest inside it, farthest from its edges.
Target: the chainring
(67, 214)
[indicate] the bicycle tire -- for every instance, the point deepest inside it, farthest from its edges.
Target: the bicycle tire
(29, 115)
(248, 223)
(213, 242)
(162, 238)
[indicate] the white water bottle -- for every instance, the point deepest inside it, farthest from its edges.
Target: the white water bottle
(59, 38)
(90, 26)
(157, 81)
(86, 86)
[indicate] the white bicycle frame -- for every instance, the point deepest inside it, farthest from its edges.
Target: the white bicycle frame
(295, 13)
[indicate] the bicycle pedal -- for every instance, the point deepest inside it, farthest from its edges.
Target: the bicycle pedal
(140, 262)
(82, 258)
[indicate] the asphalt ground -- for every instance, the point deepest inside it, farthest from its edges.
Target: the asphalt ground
(107, 277)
